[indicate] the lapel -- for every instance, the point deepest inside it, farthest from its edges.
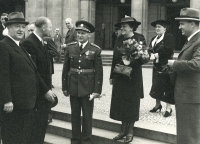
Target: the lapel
(190, 42)
(86, 48)
(21, 51)
(37, 41)
(77, 49)
(70, 32)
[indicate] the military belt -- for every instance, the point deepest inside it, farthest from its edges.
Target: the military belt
(82, 70)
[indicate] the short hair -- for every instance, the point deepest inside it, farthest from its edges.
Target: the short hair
(41, 21)
(133, 26)
(4, 14)
(68, 19)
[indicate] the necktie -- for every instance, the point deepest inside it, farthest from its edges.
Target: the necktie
(81, 47)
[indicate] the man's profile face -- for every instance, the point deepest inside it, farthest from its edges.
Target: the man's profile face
(3, 19)
(47, 28)
(16, 31)
(185, 28)
(31, 28)
(82, 36)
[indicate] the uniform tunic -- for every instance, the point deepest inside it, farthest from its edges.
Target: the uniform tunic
(126, 93)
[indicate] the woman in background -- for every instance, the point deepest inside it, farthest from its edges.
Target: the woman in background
(161, 48)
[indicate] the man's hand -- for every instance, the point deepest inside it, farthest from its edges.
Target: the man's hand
(50, 96)
(170, 63)
(8, 107)
(94, 95)
(66, 93)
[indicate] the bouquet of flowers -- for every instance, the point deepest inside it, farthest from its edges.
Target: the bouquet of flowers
(131, 50)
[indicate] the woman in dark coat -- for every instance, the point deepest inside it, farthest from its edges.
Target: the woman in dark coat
(126, 93)
(161, 49)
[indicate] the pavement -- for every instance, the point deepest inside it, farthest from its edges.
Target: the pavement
(102, 106)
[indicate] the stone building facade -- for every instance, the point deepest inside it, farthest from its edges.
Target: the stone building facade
(103, 14)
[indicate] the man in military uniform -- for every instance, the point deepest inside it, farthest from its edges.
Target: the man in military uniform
(82, 78)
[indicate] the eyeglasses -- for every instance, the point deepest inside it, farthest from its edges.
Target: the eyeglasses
(30, 30)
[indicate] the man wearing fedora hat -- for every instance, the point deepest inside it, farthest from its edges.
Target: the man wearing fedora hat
(20, 84)
(81, 79)
(39, 50)
(187, 83)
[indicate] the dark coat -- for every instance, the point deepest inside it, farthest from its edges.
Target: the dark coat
(58, 41)
(40, 56)
(82, 84)
(71, 36)
(20, 82)
(1, 31)
(187, 91)
(126, 93)
(162, 84)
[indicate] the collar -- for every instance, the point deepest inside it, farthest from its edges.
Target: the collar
(84, 44)
(157, 40)
(16, 41)
(189, 38)
(40, 39)
(3, 26)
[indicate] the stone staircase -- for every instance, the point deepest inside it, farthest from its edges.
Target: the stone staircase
(104, 129)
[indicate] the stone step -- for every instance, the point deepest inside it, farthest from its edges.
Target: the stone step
(55, 139)
(100, 136)
(156, 132)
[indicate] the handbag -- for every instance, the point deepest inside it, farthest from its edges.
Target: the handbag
(122, 69)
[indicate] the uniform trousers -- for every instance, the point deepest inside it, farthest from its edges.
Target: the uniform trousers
(77, 104)
(188, 123)
(17, 126)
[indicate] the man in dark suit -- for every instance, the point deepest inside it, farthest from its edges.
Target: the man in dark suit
(82, 79)
(187, 82)
(2, 25)
(58, 42)
(37, 48)
(71, 35)
(20, 84)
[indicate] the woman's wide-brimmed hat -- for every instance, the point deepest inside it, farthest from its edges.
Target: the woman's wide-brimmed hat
(16, 17)
(128, 20)
(189, 14)
(160, 22)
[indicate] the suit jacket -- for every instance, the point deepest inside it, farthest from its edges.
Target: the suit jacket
(58, 41)
(164, 48)
(84, 83)
(71, 36)
(19, 79)
(40, 56)
(187, 68)
(1, 31)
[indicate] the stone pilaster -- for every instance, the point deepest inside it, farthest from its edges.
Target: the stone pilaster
(139, 10)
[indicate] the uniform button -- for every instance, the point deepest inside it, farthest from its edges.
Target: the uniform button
(79, 67)
(79, 61)
(80, 55)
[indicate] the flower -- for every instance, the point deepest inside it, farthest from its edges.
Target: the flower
(131, 50)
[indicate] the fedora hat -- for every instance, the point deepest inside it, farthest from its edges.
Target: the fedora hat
(55, 102)
(16, 17)
(84, 26)
(128, 19)
(161, 22)
(190, 14)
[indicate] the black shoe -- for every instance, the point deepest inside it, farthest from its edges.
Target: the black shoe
(155, 109)
(128, 138)
(49, 121)
(119, 136)
(167, 114)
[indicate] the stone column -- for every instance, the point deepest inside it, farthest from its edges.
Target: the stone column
(195, 4)
(139, 10)
(87, 12)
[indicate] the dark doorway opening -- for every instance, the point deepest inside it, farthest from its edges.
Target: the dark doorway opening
(8, 6)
